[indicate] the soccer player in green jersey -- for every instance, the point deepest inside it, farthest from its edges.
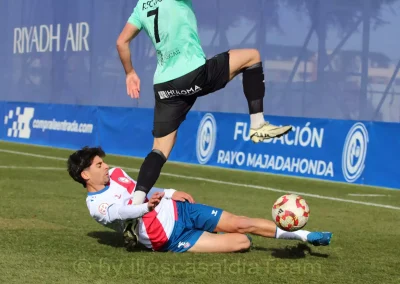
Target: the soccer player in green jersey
(183, 73)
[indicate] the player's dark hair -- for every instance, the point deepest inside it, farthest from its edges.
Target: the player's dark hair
(82, 159)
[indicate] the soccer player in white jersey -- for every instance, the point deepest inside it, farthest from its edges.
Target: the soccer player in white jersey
(169, 220)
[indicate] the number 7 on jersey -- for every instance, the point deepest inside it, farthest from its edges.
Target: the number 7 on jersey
(155, 13)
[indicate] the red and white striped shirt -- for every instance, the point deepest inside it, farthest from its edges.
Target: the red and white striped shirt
(154, 228)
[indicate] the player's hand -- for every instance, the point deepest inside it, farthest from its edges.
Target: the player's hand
(133, 85)
(155, 200)
(182, 196)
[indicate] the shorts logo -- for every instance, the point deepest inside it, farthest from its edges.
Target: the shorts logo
(19, 122)
(206, 138)
(124, 180)
(176, 93)
(355, 152)
(103, 208)
(183, 244)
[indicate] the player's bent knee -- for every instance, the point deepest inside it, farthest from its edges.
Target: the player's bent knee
(243, 244)
(255, 55)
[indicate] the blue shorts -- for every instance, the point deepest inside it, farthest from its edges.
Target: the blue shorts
(193, 220)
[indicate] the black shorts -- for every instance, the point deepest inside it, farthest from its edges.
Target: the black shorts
(175, 98)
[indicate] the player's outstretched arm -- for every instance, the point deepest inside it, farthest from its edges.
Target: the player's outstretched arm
(127, 212)
(128, 33)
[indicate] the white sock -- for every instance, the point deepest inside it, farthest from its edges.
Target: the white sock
(256, 120)
(138, 197)
(300, 235)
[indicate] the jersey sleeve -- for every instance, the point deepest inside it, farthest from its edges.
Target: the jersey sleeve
(107, 214)
(134, 19)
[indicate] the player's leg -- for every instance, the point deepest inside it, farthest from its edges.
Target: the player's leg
(248, 62)
(212, 219)
(152, 165)
(185, 239)
(193, 231)
(231, 223)
(148, 175)
(168, 115)
(165, 144)
(241, 59)
(221, 243)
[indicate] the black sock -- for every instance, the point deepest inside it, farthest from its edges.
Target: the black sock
(150, 170)
(254, 87)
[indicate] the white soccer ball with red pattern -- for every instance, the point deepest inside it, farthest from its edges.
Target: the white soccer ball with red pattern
(290, 212)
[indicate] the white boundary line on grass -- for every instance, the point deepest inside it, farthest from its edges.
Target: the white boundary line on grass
(210, 181)
(367, 195)
(32, 168)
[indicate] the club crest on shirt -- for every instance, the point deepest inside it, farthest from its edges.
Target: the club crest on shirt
(103, 208)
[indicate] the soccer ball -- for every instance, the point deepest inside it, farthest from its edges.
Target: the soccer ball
(290, 212)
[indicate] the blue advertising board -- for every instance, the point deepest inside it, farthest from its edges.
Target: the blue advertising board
(52, 125)
(335, 150)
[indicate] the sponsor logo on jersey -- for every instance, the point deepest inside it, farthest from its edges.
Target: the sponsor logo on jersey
(174, 93)
(124, 179)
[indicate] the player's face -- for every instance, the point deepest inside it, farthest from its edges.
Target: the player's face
(98, 172)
